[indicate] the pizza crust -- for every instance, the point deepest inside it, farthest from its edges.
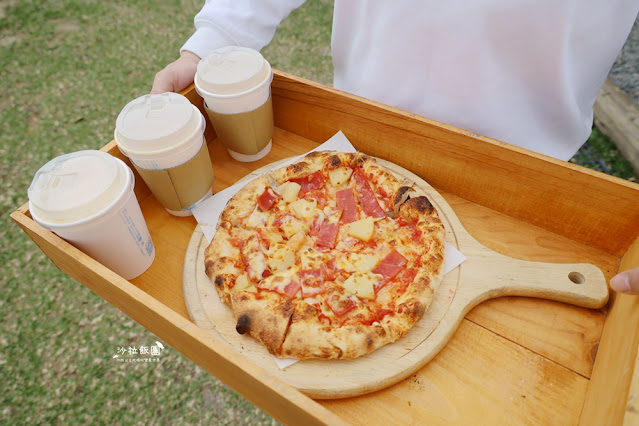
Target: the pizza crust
(257, 262)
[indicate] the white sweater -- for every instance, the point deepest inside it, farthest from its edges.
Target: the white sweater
(526, 72)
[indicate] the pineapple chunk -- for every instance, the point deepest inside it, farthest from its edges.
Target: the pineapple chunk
(362, 229)
(344, 263)
(241, 283)
(304, 209)
(297, 240)
(280, 257)
(294, 226)
(363, 262)
(289, 191)
(270, 235)
(339, 176)
(362, 285)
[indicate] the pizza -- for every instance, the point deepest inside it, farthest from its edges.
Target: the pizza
(330, 257)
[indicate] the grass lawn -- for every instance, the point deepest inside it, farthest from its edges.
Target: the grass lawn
(68, 68)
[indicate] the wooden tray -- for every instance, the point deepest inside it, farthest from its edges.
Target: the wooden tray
(486, 274)
(511, 359)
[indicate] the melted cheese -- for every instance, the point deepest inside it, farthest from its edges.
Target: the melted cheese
(280, 257)
(278, 282)
(241, 283)
(312, 259)
(257, 219)
(296, 241)
(255, 257)
(292, 226)
(304, 209)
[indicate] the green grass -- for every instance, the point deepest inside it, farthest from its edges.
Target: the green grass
(68, 68)
(601, 154)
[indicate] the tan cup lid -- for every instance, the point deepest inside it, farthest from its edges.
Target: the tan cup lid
(75, 186)
(156, 123)
(231, 70)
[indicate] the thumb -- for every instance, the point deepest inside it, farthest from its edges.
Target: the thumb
(626, 282)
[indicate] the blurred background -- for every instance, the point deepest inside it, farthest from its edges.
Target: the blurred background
(67, 69)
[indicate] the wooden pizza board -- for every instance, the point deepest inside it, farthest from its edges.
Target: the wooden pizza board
(484, 275)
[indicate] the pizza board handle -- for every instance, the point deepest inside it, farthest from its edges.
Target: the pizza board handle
(487, 274)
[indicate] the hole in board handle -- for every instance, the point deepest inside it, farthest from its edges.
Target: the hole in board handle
(577, 277)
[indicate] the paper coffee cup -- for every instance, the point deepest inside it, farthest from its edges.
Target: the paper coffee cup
(163, 135)
(235, 83)
(87, 198)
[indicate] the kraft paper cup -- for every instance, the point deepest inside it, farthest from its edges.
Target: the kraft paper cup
(87, 198)
(163, 135)
(235, 83)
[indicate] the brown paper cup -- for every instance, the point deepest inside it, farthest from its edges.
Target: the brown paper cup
(248, 133)
(179, 188)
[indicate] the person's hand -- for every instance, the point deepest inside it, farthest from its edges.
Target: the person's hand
(626, 282)
(177, 75)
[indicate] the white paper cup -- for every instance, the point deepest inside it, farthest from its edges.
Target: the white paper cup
(87, 198)
(235, 83)
(165, 133)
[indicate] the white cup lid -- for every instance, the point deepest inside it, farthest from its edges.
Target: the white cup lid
(231, 70)
(158, 122)
(75, 186)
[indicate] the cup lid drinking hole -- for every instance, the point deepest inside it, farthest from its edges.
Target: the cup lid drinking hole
(231, 70)
(155, 123)
(75, 186)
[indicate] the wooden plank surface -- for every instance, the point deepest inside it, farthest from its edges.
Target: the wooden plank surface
(506, 384)
(607, 398)
(563, 333)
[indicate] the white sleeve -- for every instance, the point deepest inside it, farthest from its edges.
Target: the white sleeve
(247, 23)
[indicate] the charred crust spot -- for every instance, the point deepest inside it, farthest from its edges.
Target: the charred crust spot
(219, 280)
(402, 194)
(413, 310)
(422, 204)
(305, 313)
(419, 310)
(225, 225)
(284, 309)
(369, 343)
(363, 159)
(242, 297)
(298, 167)
(334, 161)
(312, 155)
(208, 267)
(243, 324)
